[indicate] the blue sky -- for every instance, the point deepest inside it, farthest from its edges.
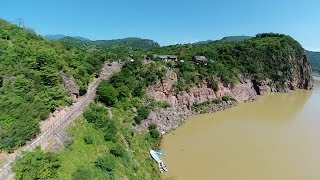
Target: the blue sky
(169, 21)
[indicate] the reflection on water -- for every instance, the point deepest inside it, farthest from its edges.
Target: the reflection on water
(274, 138)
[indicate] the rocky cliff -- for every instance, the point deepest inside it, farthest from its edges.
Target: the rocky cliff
(246, 89)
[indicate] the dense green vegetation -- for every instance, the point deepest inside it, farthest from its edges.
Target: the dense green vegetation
(124, 152)
(105, 140)
(31, 81)
(314, 58)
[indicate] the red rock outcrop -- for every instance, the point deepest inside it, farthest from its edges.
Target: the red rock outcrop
(245, 90)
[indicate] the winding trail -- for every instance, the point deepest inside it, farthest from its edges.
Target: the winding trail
(70, 114)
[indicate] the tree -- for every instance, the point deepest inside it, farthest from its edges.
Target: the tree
(110, 131)
(97, 115)
(155, 134)
(107, 93)
(123, 92)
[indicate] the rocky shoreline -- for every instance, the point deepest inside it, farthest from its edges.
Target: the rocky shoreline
(171, 118)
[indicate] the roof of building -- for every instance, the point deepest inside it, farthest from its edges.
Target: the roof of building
(165, 56)
(200, 58)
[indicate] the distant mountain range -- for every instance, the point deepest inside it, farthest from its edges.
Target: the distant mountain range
(228, 39)
(60, 36)
(130, 42)
(314, 58)
(77, 41)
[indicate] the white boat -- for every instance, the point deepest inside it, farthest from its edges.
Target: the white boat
(156, 156)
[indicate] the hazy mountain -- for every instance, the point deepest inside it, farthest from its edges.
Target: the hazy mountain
(314, 58)
(235, 38)
(56, 37)
(227, 39)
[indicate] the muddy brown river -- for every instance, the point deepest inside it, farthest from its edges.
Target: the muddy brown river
(274, 138)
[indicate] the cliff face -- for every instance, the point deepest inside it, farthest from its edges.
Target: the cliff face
(245, 90)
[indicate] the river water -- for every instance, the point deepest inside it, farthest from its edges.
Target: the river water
(274, 138)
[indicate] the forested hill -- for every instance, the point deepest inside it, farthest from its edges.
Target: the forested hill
(136, 43)
(266, 56)
(314, 58)
(31, 84)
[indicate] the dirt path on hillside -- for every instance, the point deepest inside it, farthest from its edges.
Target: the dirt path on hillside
(58, 120)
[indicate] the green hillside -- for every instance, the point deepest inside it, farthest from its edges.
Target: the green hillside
(135, 43)
(314, 58)
(139, 43)
(31, 83)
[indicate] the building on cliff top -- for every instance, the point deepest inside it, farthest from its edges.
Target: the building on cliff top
(166, 57)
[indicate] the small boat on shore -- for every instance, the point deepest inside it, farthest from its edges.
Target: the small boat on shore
(156, 156)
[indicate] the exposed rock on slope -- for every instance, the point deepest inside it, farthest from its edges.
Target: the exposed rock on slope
(245, 90)
(70, 84)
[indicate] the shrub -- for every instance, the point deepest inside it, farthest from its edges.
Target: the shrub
(96, 115)
(144, 112)
(228, 98)
(213, 84)
(110, 131)
(82, 90)
(82, 174)
(217, 101)
(88, 139)
(123, 92)
(138, 119)
(152, 126)
(117, 150)
(107, 163)
(155, 134)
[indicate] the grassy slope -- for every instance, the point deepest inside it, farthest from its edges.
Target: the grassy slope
(139, 165)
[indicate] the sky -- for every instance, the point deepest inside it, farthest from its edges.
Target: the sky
(169, 21)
